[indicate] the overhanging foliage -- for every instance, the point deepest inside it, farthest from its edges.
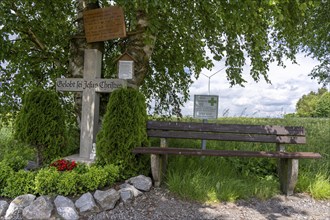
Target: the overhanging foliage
(167, 38)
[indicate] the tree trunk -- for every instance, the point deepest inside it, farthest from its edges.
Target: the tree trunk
(78, 44)
(136, 46)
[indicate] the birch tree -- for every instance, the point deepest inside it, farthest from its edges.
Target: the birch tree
(43, 40)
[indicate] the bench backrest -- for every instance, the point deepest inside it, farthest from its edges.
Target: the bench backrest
(227, 132)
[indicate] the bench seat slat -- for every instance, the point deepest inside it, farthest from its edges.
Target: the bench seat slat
(224, 153)
(228, 137)
(226, 128)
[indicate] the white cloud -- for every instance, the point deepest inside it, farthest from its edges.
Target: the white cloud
(258, 99)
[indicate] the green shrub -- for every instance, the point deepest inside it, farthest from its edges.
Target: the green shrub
(68, 183)
(19, 183)
(5, 172)
(81, 168)
(95, 178)
(46, 181)
(323, 106)
(124, 128)
(15, 160)
(41, 124)
(112, 173)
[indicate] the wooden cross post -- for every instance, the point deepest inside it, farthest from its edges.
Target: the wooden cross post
(91, 85)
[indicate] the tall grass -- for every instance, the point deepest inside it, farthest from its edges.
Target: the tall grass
(213, 179)
(228, 179)
(12, 152)
(5, 139)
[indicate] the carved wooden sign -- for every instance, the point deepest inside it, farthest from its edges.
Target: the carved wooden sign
(104, 24)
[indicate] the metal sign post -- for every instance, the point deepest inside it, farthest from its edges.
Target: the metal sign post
(206, 107)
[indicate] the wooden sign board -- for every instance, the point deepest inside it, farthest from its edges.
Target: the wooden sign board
(104, 24)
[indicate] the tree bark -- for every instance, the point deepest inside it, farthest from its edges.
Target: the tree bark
(78, 44)
(139, 49)
(135, 46)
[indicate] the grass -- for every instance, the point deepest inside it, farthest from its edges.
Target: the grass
(214, 180)
(13, 153)
(228, 179)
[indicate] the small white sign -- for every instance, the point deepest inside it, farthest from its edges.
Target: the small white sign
(125, 69)
(206, 106)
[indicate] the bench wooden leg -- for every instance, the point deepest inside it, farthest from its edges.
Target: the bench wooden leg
(288, 175)
(159, 165)
(156, 169)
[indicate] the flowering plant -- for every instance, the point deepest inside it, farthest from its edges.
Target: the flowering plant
(64, 165)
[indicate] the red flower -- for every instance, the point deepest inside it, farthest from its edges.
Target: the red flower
(64, 165)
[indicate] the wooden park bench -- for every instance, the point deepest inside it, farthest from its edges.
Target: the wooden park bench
(279, 135)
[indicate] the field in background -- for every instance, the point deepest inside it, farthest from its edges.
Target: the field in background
(226, 179)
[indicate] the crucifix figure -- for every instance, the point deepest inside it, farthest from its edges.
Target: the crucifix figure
(91, 85)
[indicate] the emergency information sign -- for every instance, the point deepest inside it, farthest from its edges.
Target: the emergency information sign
(206, 106)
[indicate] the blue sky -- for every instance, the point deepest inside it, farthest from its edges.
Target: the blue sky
(257, 99)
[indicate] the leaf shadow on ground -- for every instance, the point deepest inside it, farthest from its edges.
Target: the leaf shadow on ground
(277, 207)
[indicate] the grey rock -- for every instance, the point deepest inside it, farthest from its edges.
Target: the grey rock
(107, 199)
(31, 165)
(41, 208)
(86, 203)
(141, 182)
(65, 208)
(3, 207)
(134, 190)
(16, 207)
(126, 195)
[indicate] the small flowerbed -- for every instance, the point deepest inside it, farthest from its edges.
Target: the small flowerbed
(61, 177)
(64, 165)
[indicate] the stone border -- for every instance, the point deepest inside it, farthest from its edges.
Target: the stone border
(43, 207)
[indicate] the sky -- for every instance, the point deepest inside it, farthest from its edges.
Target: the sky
(257, 99)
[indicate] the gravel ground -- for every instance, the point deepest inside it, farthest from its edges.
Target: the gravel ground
(160, 204)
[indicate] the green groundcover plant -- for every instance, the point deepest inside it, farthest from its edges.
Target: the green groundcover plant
(54, 180)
